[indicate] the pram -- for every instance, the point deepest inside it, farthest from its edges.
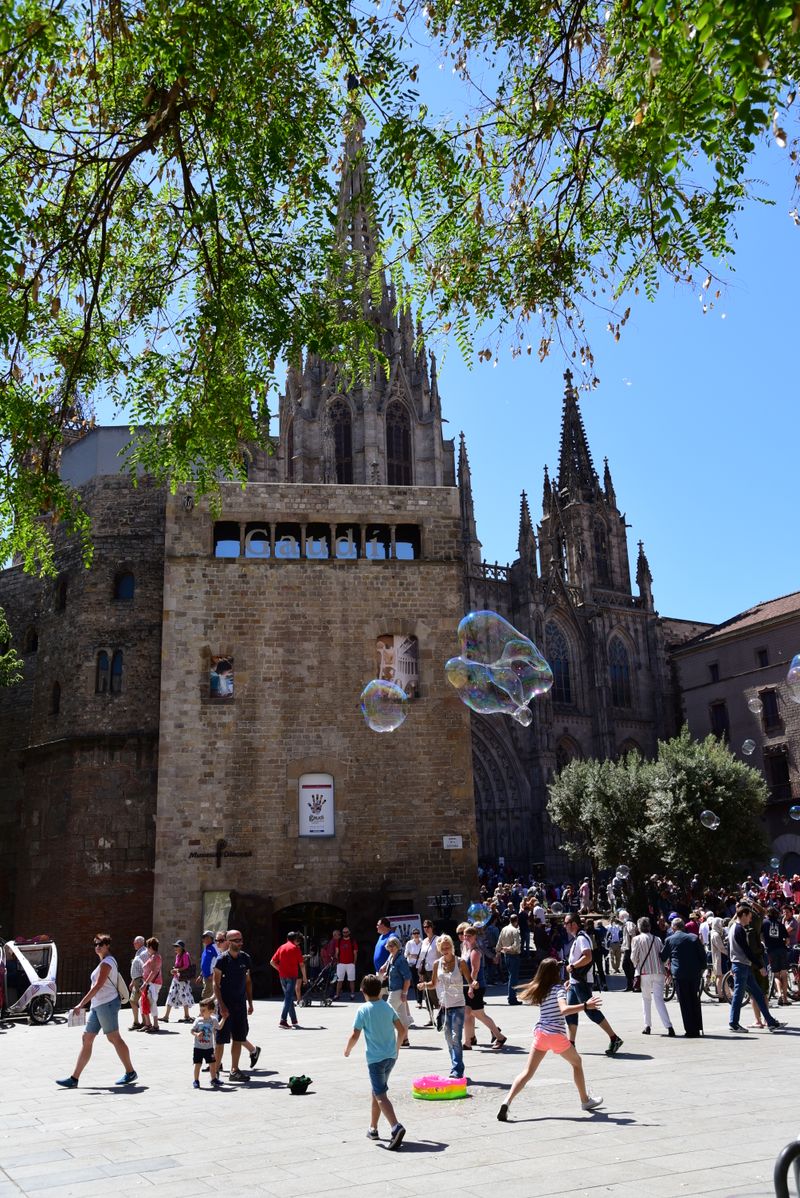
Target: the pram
(319, 988)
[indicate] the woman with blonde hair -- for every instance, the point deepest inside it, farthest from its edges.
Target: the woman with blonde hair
(448, 980)
(473, 959)
(547, 992)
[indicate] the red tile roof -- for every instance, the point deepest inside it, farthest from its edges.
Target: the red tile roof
(761, 613)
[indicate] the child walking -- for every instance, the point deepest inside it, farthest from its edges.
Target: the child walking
(383, 1031)
(550, 1034)
(204, 1030)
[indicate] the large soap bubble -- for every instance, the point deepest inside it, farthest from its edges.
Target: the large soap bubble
(498, 669)
(478, 914)
(755, 705)
(793, 679)
(384, 705)
(709, 820)
(624, 872)
(775, 863)
(794, 812)
(749, 747)
(557, 908)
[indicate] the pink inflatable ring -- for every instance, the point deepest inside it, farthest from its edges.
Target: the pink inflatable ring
(435, 1088)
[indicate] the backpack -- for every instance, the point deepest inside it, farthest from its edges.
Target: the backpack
(122, 988)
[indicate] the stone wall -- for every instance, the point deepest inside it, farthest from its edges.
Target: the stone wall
(302, 637)
(79, 782)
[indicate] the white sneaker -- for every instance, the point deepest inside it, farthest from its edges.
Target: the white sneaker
(591, 1103)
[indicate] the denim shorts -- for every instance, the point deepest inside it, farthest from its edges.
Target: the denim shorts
(379, 1075)
(104, 1018)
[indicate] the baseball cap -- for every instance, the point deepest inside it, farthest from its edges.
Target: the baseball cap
(208, 932)
(179, 944)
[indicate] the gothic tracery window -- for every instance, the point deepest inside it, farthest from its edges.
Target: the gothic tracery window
(601, 554)
(558, 658)
(342, 423)
(398, 445)
(620, 670)
(290, 452)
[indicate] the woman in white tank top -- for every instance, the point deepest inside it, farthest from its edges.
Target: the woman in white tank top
(448, 979)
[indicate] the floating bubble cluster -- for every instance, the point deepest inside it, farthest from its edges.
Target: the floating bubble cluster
(498, 669)
(478, 914)
(775, 863)
(709, 820)
(794, 812)
(793, 679)
(755, 705)
(384, 705)
(624, 872)
(557, 908)
(748, 747)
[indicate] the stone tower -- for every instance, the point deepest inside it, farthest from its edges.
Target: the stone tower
(385, 428)
(569, 589)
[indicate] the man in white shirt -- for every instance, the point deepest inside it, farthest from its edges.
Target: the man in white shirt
(579, 971)
(137, 967)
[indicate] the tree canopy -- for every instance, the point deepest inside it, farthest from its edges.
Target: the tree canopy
(646, 814)
(168, 196)
(10, 662)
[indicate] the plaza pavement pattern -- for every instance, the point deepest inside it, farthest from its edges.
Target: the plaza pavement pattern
(681, 1117)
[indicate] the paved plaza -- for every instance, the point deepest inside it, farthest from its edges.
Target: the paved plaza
(681, 1117)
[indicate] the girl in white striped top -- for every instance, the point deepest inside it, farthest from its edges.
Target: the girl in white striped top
(550, 1034)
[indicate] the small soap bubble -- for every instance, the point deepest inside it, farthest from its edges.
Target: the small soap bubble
(755, 705)
(709, 820)
(749, 747)
(524, 716)
(624, 872)
(478, 914)
(775, 863)
(384, 705)
(794, 812)
(793, 679)
(498, 669)
(557, 908)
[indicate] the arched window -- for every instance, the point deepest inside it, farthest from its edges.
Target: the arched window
(124, 587)
(55, 698)
(31, 640)
(563, 557)
(290, 452)
(342, 423)
(116, 673)
(566, 751)
(601, 554)
(558, 657)
(398, 445)
(102, 673)
(620, 668)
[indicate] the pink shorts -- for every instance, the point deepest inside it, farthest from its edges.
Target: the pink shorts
(550, 1041)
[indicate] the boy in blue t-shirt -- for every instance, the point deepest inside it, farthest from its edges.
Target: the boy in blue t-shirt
(204, 1029)
(383, 1031)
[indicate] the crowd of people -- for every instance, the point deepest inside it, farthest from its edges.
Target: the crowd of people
(571, 938)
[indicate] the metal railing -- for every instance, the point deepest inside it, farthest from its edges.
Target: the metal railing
(788, 1158)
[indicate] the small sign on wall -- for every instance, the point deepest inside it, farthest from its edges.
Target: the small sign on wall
(452, 842)
(316, 805)
(404, 926)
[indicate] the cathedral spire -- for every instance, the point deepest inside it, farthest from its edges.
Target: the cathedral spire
(576, 472)
(472, 546)
(547, 492)
(608, 485)
(526, 541)
(644, 579)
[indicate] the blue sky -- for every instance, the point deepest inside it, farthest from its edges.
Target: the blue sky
(697, 415)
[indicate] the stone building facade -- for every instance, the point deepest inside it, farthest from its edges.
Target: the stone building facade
(731, 664)
(570, 591)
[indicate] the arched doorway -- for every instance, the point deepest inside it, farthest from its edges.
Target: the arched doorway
(314, 922)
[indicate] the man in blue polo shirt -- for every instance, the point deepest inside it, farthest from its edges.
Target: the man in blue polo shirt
(207, 959)
(381, 954)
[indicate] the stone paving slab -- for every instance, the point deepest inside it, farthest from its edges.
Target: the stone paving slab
(680, 1117)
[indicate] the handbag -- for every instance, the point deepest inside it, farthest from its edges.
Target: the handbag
(440, 1019)
(186, 974)
(122, 989)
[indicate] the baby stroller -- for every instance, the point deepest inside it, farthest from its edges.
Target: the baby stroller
(319, 988)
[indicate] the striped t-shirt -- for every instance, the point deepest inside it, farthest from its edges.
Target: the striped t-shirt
(550, 1017)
